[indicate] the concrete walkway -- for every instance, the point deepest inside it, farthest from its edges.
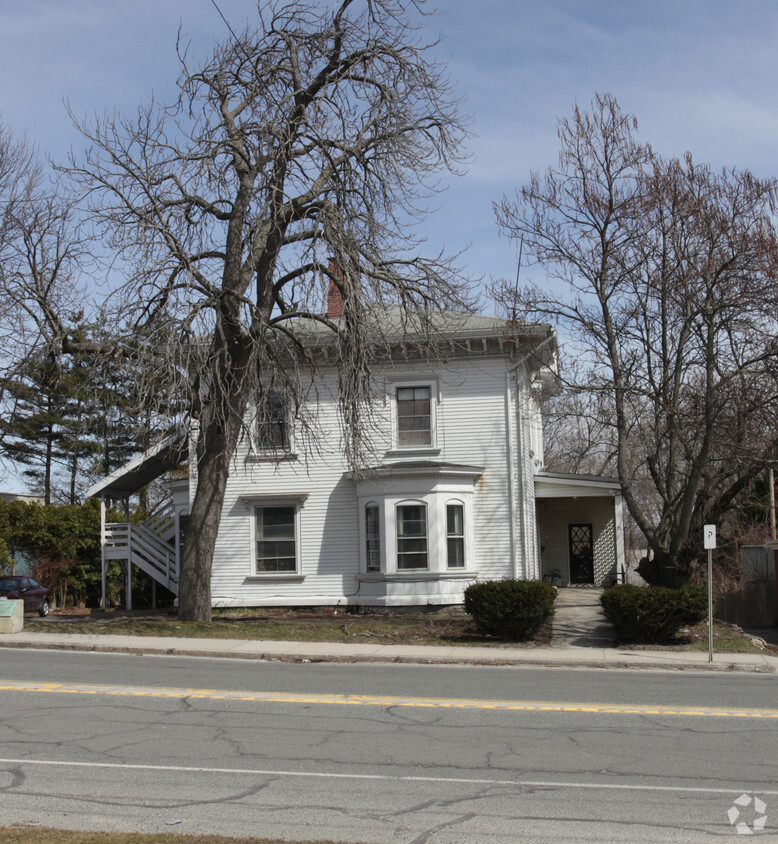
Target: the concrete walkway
(579, 621)
(558, 655)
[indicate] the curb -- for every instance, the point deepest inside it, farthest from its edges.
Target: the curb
(401, 660)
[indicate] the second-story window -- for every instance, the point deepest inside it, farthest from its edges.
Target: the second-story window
(414, 416)
(271, 431)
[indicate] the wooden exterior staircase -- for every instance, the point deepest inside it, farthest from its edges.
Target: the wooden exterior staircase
(152, 546)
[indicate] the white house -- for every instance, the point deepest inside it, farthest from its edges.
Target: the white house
(457, 491)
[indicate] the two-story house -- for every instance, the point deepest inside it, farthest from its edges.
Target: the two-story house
(457, 491)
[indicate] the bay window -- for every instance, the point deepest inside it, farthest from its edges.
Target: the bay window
(455, 535)
(411, 536)
(372, 538)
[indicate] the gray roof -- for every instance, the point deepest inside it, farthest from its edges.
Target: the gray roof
(396, 323)
(413, 468)
(572, 476)
(394, 333)
(165, 455)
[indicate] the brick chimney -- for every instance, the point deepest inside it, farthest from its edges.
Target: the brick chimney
(335, 297)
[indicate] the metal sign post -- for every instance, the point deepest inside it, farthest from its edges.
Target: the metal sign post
(709, 534)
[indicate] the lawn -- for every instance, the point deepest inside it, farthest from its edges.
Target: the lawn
(450, 626)
(447, 627)
(726, 639)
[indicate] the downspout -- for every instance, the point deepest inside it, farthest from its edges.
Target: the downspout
(520, 476)
(511, 479)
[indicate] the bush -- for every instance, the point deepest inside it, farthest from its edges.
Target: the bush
(653, 614)
(510, 608)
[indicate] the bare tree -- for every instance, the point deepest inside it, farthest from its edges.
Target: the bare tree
(42, 257)
(295, 158)
(575, 438)
(661, 275)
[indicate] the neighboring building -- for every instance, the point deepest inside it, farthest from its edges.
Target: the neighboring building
(457, 492)
(21, 496)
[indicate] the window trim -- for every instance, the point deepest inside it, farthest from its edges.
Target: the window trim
(436, 501)
(373, 505)
(403, 383)
(398, 539)
(461, 538)
(255, 502)
(271, 452)
(413, 414)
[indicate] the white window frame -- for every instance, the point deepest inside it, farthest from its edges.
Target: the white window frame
(436, 503)
(395, 384)
(455, 502)
(260, 452)
(398, 555)
(366, 538)
(258, 502)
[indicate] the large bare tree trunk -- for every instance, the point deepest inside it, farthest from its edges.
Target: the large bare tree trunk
(194, 593)
(313, 137)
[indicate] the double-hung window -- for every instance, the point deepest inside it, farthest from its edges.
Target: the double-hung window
(411, 536)
(372, 538)
(455, 536)
(414, 416)
(271, 429)
(276, 538)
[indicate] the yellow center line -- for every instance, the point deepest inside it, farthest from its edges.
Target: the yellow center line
(386, 700)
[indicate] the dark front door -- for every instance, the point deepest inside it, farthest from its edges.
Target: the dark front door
(581, 554)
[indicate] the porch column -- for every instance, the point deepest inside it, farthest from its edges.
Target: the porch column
(618, 518)
(103, 539)
(128, 588)
(178, 546)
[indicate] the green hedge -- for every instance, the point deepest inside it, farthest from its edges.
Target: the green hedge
(653, 614)
(510, 608)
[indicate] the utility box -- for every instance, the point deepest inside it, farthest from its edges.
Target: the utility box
(11, 616)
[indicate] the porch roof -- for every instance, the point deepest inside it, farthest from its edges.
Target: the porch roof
(571, 485)
(163, 456)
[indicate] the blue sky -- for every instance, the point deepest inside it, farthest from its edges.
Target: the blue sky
(699, 74)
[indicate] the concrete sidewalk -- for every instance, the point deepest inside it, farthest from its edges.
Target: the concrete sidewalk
(555, 656)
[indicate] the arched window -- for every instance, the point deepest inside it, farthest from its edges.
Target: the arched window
(372, 537)
(455, 535)
(412, 536)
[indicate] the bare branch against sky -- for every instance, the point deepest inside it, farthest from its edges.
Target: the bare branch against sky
(699, 75)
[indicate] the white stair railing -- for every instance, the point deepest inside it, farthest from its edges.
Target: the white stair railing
(163, 522)
(145, 549)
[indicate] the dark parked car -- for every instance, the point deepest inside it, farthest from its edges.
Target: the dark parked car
(35, 596)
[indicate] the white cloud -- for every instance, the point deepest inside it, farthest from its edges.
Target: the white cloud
(699, 75)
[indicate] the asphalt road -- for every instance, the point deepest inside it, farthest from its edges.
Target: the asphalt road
(385, 753)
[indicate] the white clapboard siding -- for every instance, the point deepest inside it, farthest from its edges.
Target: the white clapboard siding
(477, 396)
